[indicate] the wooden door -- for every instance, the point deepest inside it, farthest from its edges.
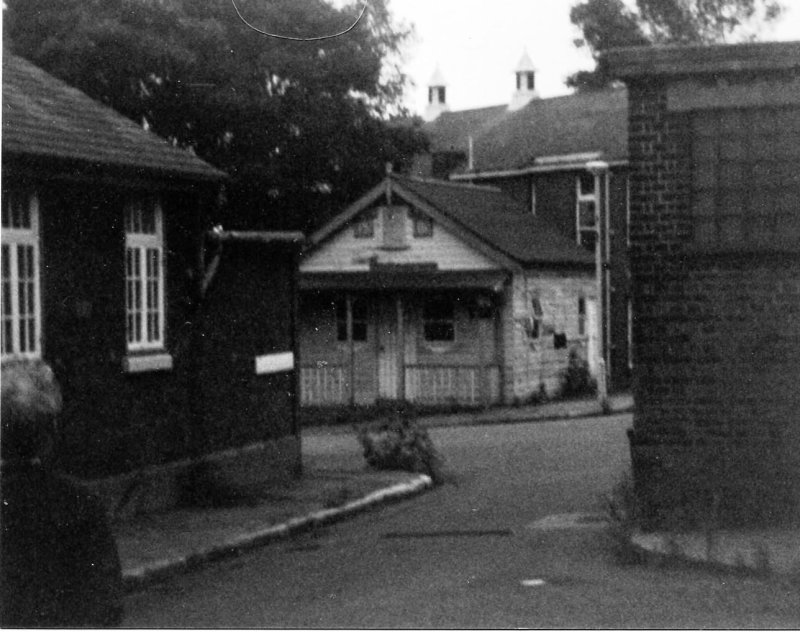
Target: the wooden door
(389, 344)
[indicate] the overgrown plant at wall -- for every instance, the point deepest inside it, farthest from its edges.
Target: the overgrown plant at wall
(576, 380)
(398, 442)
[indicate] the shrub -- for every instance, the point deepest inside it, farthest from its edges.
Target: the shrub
(399, 443)
(576, 380)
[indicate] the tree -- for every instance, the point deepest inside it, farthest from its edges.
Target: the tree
(607, 24)
(301, 127)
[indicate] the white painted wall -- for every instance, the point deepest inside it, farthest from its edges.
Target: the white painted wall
(344, 253)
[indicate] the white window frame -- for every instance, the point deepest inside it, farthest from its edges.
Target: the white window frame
(145, 306)
(15, 322)
(582, 198)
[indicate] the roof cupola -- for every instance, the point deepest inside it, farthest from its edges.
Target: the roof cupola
(526, 83)
(437, 96)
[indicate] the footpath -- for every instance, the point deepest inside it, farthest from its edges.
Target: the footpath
(336, 484)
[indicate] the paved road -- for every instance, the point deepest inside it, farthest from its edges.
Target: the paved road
(466, 556)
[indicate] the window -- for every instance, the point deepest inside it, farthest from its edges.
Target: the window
(581, 316)
(586, 210)
(21, 314)
(436, 94)
(358, 320)
(144, 275)
(438, 317)
(746, 177)
(364, 227)
(423, 226)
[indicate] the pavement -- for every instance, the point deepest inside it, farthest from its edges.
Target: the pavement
(336, 484)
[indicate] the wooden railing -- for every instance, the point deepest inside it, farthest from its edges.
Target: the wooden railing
(458, 384)
(323, 385)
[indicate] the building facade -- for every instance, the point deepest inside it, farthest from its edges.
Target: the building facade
(106, 275)
(439, 293)
(565, 159)
(715, 201)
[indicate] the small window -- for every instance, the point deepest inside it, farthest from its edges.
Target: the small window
(438, 317)
(581, 316)
(423, 227)
(364, 227)
(358, 320)
(586, 210)
(144, 275)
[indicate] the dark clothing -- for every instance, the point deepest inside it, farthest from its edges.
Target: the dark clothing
(60, 566)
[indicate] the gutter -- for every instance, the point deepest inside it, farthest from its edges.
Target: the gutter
(541, 165)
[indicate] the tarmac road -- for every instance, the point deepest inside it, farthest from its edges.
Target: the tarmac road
(469, 555)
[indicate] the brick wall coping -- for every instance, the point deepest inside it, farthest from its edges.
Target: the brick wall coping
(639, 61)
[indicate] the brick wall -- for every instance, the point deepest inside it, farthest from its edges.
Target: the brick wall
(715, 341)
(531, 363)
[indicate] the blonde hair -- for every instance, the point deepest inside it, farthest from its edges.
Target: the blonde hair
(31, 400)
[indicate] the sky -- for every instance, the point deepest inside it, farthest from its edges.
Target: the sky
(477, 44)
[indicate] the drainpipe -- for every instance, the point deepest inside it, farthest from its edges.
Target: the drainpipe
(599, 169)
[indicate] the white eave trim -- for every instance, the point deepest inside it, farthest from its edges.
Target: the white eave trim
(567, 162)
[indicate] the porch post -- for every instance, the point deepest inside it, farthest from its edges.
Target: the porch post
(351, 344)
(401, 350)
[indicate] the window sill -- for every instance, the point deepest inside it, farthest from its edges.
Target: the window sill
(157, 362)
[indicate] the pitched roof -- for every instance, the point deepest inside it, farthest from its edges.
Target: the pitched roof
(499, 220)
(581, 123)
(44, 117)
(450, 131)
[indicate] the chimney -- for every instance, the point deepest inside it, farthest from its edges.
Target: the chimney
(526, 83)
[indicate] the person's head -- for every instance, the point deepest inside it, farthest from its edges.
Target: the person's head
(31, 400)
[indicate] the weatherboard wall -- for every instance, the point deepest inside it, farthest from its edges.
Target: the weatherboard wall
(344, 252)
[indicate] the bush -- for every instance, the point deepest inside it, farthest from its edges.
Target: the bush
(398, 443)
(576, 380)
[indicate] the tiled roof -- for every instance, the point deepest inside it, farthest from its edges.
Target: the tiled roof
(585, 122)
(499, 220)
(44, 117)
(450, 130)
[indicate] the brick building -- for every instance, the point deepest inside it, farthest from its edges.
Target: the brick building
(540, 151)
(437, 292)
(103, 238)
(714, 147)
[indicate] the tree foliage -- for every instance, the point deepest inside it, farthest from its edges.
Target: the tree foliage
(607, 24)
(301, 127)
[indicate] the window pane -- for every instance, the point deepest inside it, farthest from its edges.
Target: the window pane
(586, 182)
(588, 240)
(586, 213)
(364, 228)
(439, 331)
